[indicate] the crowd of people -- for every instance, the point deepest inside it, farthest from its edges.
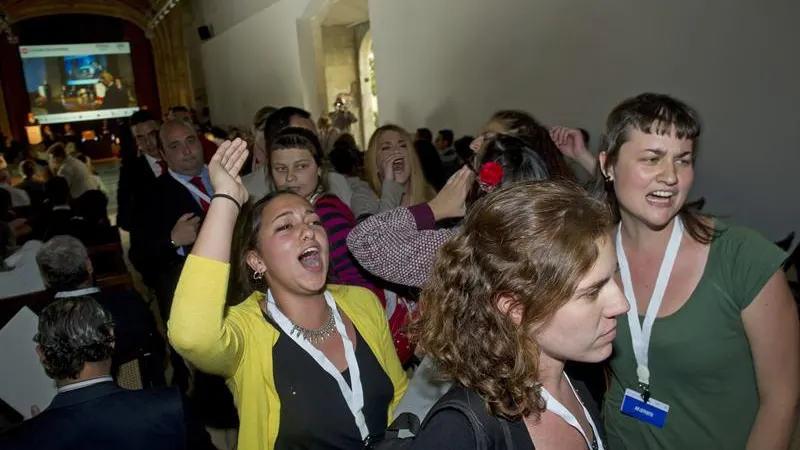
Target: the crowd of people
(513, 289)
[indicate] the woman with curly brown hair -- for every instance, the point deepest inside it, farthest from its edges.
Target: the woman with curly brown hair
(526, 285)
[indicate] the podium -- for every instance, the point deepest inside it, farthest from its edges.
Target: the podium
(34, 133)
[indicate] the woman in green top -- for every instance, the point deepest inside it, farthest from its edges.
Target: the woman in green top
(720, 369)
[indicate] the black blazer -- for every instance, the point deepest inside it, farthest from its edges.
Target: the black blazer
(152, 228)
(136, 182)
(152, 252)
(106, 417)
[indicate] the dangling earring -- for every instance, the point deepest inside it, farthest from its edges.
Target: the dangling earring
(258, 275)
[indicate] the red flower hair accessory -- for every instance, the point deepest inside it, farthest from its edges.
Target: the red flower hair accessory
(490, 176)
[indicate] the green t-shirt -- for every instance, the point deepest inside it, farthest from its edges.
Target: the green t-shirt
(699, 357)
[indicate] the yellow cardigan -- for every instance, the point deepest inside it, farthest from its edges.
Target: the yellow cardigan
(237, 343)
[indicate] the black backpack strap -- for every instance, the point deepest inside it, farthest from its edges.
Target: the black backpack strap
(484, 425)
(404, 422)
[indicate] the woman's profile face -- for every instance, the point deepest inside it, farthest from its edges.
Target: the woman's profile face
(296, 170)
(292, 246)
(584, 328)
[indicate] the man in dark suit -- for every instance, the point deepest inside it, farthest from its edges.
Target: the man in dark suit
(137, 178)
(171, 224)
(184, 195)
(67, 272)
(90, 412)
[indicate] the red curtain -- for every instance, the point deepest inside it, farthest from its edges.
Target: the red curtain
(18, 103)
(144, 71)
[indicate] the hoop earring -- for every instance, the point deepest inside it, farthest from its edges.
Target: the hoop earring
(258, 275)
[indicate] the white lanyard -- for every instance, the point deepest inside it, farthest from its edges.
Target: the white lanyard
(640, 334)
(77, 292)
(194, 190)
(555, 407)
(355, 396)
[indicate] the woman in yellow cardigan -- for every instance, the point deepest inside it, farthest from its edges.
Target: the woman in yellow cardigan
(310, 365)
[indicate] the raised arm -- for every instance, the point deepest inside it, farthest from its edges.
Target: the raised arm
(771, 324)
(400, 245)
(197, 328)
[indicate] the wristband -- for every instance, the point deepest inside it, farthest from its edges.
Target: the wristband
(229, 197)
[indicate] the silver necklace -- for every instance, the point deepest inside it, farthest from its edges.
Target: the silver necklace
(319, 334)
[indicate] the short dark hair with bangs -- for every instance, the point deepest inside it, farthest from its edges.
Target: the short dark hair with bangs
(294, 137)
(658, 114)
(652, 114)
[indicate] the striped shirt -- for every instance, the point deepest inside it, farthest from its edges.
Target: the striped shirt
(338, 220)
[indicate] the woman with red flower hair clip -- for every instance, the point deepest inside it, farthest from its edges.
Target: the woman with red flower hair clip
(400, 245)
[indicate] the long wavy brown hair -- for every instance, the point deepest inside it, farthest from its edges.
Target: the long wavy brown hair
(532, 242)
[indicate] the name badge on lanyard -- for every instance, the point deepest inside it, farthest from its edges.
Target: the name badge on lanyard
(555, 407)
(353, 396)
(639, 404)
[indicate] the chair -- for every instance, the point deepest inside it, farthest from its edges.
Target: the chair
(108, 259)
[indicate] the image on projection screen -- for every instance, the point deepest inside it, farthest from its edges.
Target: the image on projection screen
(72, 83)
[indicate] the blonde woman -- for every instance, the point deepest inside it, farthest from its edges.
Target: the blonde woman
(393, 170)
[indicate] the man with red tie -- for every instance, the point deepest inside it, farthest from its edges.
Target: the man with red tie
(183, 196)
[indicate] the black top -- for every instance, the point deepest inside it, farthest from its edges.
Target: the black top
(450, 429)
(314, 414)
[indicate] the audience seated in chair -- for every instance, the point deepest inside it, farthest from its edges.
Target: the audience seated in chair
(67, 271)
(93, 226)
(18, 196)
(33, 187)
(57, 218)
(79, 178)
(75, 342)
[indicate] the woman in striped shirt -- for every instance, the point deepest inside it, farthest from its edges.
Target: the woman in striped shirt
(295, 162)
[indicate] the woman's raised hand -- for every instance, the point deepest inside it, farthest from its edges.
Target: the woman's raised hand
(224, 169)
(450, 202)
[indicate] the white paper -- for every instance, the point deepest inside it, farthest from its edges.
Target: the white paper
(23, 382)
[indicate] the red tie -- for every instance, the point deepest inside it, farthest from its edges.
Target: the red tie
(163, 166)
(199, 184)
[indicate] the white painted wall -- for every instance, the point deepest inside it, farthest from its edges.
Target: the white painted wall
(225, 14)
(450, 63)
(265, 59)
